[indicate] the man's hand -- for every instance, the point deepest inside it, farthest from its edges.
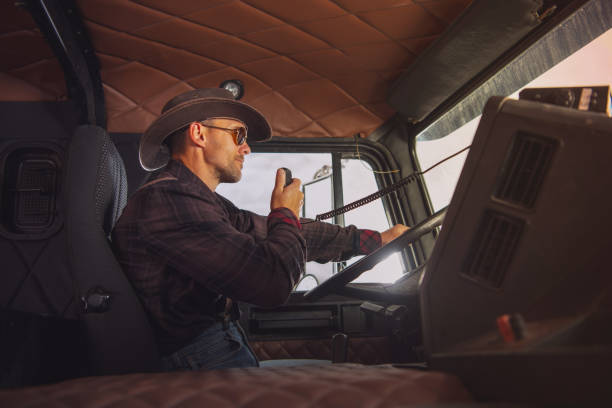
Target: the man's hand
(290, 197)
(392, 233)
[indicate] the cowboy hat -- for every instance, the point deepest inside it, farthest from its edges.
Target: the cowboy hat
(194, 106)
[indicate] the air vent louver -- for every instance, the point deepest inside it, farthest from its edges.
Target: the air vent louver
(524, 169)
(35, 194)
(492, 248)
(29, 194)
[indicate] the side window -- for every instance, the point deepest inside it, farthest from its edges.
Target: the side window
(253, 193)
(318, 196)
(315, 170)
(588, 66)
(254, 190)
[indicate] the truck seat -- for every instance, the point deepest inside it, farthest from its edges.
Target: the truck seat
(333, 386)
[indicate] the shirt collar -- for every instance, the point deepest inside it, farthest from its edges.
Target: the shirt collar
(177, 169)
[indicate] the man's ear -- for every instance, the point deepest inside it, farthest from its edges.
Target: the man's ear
(197, 134)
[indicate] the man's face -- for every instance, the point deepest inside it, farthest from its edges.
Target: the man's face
(222, 153)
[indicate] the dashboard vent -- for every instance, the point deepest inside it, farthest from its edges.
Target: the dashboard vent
(492, 249)
(524, 169)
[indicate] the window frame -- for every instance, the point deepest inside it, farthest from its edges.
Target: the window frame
(574, 26)
(566, 32)
(373, 153)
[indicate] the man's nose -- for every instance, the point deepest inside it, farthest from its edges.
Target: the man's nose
(244, 149)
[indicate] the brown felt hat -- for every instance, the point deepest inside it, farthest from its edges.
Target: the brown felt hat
(195, 106)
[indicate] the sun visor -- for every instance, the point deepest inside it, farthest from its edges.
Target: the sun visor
(479, 36)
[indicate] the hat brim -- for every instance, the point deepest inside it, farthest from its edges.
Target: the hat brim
(153, 154)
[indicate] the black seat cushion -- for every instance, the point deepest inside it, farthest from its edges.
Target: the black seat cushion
(119, 336)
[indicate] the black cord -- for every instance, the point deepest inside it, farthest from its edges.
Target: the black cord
(381, 193)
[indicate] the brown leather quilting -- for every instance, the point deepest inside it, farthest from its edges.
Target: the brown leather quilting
(313, 68)
(28, 68)
(363, 350)
(333, 386)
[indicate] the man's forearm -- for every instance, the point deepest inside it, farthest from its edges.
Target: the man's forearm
(328, 242)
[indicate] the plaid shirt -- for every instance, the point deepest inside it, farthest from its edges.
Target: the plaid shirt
(186, 249)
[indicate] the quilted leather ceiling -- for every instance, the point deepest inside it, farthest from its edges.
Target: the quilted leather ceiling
(28, 68)
(314, 68)
(333, 386)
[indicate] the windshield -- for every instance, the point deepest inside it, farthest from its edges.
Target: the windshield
(589, 66)
(315, 172)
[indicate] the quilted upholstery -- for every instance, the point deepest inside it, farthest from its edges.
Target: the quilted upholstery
(364, 350)
(28, 68)
(338, 385)
(314, 68)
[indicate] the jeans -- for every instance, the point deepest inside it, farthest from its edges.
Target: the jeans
(216, 348)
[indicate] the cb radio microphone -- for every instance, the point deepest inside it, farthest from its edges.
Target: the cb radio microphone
(288, 178)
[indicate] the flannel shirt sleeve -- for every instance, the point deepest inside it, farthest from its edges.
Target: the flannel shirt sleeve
(328, 242)
(197, 238)
(325, 242)
(254, 224)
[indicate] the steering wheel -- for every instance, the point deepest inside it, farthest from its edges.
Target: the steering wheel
(342, 278)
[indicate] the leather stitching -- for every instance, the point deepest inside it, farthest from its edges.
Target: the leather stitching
(301, 387)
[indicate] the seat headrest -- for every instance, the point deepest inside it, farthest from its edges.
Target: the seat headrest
(101, 186)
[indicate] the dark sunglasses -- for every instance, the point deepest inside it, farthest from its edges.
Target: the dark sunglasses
(239, 133)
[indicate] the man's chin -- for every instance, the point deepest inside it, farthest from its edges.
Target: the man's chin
(231, 178)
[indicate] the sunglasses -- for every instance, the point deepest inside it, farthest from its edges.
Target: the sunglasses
(239, 133)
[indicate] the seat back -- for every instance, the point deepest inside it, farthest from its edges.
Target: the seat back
(119, 336)
(41, 335)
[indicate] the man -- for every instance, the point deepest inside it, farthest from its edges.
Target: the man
(189, 252)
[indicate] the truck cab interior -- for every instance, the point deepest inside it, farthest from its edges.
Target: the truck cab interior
(500, 292)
